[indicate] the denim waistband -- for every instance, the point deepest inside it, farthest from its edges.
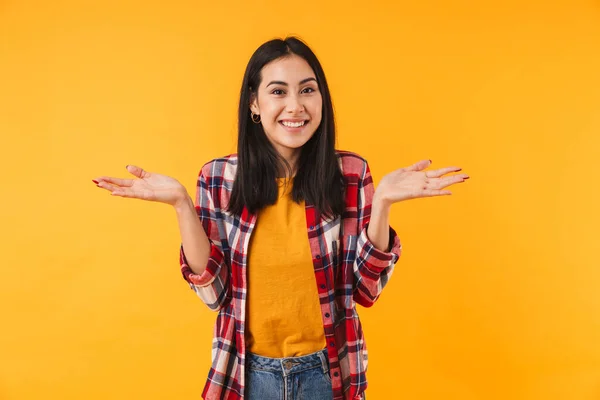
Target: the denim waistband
(288, 365)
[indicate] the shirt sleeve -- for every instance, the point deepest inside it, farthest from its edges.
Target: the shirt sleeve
(372, 267)
(213, 285)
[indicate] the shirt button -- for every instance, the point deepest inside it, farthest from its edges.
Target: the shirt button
(331, 344)
(312, 227)
(336, 374)
(322, 286)
(326, 315)
(318, 257)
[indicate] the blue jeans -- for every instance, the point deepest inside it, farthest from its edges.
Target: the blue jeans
(290, 378)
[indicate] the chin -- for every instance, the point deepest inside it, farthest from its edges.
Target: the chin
(297, 142)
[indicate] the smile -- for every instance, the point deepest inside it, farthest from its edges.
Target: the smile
(291, 124)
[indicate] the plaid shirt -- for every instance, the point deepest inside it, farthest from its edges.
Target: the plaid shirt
(348, 270)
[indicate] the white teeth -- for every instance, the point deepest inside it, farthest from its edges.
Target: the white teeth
(293, 124)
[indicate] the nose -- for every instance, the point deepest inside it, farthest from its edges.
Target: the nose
(294, 104)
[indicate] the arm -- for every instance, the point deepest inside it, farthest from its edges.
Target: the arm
(203, 263)
(378, 247)
(378, 230)
(373, 266)
(193, 237)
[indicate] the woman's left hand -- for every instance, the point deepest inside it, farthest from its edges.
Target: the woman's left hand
(413, 182)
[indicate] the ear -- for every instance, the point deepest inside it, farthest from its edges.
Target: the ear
(254, 104)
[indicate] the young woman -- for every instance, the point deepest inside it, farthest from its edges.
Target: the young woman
(286, 237)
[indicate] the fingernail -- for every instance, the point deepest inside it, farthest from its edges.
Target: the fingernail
(127, 166)
(467, 177)
(95, 181)
(430, 161)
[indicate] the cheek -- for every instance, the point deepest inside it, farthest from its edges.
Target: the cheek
(317, 105)
(271, 112)
(317, 111)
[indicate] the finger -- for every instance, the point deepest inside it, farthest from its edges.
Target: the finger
(107, 186)
(435, 192)
(137, 171)
(436, 173)
(124, 192)
(116, 181)
(440, 183)
(128, 192)
(421, 165)
(119, 191)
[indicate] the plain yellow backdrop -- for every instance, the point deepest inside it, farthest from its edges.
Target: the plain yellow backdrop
(497, 293)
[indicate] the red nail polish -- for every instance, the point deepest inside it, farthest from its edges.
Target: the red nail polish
(95, 181)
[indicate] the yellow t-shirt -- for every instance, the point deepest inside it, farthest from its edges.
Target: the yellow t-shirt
(284, 314)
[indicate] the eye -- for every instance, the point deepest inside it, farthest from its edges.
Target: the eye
(308, 90)
(277, 92)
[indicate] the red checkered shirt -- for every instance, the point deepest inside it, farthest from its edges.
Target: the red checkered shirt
(348, 270)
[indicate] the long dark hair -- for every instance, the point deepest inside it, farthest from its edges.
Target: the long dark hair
(318, 178)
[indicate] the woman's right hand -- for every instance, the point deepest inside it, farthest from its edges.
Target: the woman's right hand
(148, 186)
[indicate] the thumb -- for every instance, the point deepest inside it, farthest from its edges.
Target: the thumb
(421, 165)
(136, 171)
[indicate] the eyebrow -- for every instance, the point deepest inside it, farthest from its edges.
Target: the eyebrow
(285, 84)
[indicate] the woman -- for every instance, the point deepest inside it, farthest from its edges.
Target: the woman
(286, 236)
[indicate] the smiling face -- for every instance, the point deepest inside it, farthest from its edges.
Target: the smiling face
(289, 103)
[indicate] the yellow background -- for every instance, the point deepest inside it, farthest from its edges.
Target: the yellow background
(497, 293)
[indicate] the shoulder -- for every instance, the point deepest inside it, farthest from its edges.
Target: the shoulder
(351, 163)
(222, 167)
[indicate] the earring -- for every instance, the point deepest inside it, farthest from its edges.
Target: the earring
(252, 115)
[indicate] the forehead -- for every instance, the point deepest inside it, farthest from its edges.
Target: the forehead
(291, 69)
